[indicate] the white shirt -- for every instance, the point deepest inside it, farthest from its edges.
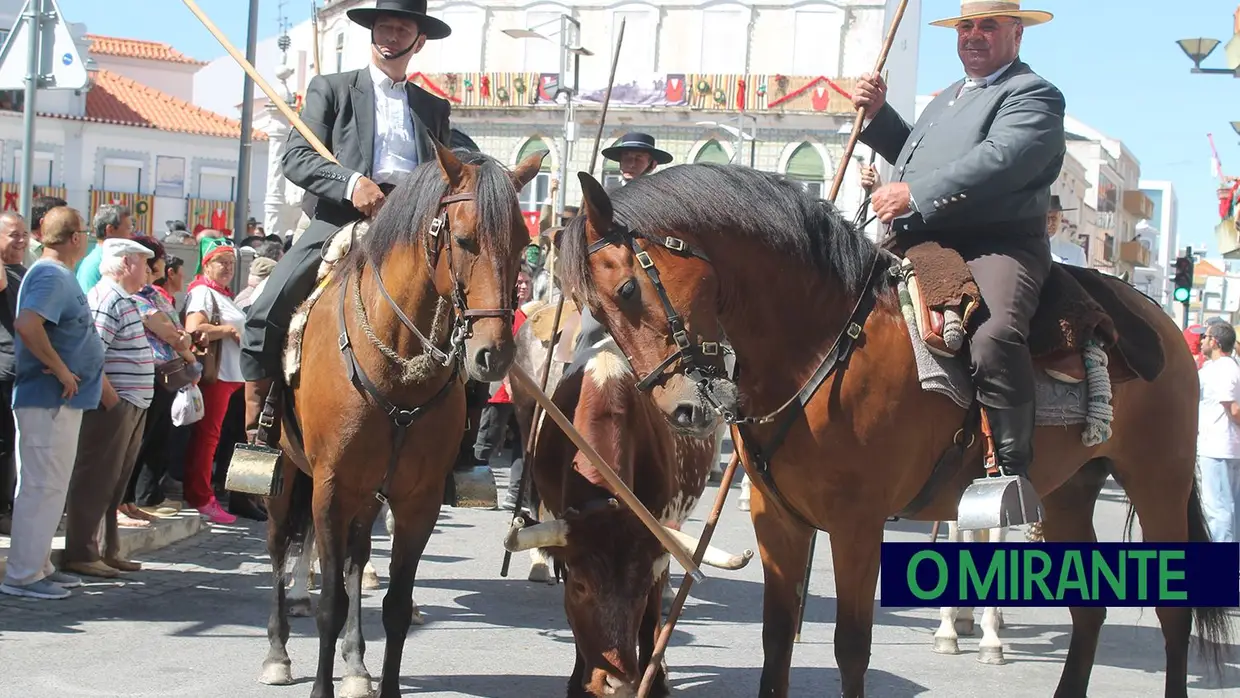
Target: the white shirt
(983, 82)
(1066, 252)
(1217, 435)
(395, 147)
(204, 300)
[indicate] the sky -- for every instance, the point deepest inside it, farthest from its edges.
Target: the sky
(1116, 61)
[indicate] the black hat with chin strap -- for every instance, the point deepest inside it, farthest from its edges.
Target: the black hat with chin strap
(640, 142)
(409, 9)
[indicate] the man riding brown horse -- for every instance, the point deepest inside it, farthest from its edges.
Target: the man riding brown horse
(974, 174)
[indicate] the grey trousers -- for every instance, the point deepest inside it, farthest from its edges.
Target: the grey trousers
(107, 451)
(289, 284)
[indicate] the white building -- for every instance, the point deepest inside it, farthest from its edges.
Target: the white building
(763, 84)
(131, 136)
(1160, 232)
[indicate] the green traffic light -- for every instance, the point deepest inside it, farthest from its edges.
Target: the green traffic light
(1181, 295)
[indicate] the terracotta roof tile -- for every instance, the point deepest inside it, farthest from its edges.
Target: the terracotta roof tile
(116, 99)
(138, 48)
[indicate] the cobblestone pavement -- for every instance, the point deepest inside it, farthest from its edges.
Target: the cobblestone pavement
(193, 623)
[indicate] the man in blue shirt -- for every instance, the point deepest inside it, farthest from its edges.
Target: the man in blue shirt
(59, 373)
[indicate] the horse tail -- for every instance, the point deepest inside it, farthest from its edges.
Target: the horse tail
(1213, 626)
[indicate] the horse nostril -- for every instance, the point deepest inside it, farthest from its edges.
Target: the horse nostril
(684, 414)
(483, 358)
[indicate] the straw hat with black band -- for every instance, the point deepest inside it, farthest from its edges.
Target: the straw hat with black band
(409, 9)
(981, 9)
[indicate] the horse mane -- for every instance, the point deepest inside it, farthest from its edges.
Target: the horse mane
(704, 199)
(414, 203)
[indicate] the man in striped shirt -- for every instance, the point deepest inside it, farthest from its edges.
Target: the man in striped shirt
(110, 437)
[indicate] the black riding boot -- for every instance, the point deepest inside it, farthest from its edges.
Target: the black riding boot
(1013, 432)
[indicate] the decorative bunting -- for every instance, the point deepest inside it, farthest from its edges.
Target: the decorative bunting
(141, 207)
(209, 213)
(818, 98)
(12, 194)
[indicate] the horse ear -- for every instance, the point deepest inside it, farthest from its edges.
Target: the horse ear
(452, 168)
(528, 169)
(597, 203)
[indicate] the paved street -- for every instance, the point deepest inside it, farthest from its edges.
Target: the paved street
(193, 624)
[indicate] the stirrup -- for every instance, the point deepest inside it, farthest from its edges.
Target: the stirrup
(998, 502)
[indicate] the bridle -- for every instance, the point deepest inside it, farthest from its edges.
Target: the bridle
(689, 355)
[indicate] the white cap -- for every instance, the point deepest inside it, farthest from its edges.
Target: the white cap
(121, 247)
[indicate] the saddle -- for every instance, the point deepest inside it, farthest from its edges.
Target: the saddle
(1076, 306)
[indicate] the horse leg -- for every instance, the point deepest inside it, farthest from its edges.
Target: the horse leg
(855, 552)
(370, 577)
(299, 604)
(652, 622)
(540, 568)
(1069, 518)
(357, 681)
(413, 529)
(783, 543)
(333, 602)
(990, 649)
(946, 637)
(287, 514)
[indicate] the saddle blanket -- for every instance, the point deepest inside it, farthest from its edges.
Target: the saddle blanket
(1058, 404)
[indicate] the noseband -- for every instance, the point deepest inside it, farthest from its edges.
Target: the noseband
(689, 355)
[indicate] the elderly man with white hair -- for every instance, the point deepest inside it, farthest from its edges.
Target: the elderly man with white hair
(112, 433)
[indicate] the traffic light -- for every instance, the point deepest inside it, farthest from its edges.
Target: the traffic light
(1183, 279)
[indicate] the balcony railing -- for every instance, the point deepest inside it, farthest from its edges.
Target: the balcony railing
(1134, 253)
(775, 94)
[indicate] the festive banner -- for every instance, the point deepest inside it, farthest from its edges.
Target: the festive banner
(141, 208)
(531, 222)
(12, 193)
(209, 213)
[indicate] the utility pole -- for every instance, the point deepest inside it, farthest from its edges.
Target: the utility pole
(241, 210)
(34, 19)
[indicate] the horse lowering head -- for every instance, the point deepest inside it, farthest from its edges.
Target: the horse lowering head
(464, 210)
(614, 568)
(655, 290)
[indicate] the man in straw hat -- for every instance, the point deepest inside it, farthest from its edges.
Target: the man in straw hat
(376, 124)
(974, 174)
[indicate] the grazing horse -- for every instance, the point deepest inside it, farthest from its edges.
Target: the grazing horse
(836, 428)
(375, 411)
(615, 569)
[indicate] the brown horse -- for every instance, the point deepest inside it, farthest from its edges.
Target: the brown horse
(680, 260)
(615, 570)
(377, 406)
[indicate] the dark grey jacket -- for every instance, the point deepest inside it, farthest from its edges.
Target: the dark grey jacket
(987, 158)
(340, 110)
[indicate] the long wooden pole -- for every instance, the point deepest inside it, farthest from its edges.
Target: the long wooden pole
(861, 113)
(526, 472)
(665, 633)
(622, 491)
(249, 69)
(314, 29)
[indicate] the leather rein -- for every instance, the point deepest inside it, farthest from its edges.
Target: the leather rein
(437, 236)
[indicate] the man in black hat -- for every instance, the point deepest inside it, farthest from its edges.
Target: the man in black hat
(1062, 251)
(637, 156)
(378, 125)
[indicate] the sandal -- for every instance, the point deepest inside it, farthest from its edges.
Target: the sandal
(133, 512)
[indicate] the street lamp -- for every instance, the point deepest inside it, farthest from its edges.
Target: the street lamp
(1198, 50)
(571, 52)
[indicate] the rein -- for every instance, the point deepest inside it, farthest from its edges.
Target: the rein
(402, 418)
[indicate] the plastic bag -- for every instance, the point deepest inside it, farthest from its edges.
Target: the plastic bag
(187, 406)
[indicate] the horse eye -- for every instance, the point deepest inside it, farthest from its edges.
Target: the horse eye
(628, 289)
(465, 243)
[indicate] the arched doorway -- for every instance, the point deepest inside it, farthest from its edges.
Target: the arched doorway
(807, 169)
(537, 193)
(712, 152)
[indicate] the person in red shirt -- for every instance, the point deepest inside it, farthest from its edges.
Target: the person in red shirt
(500, 412)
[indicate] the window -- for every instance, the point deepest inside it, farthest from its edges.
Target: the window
(712, 152)
(640, 40)
(122, 175)
(806, 168)
(40, 173)
(724, 40)
(537, 193)
(461, 52)
(611, 168)
(216, 183)
(340, 52)
(816, 42)
(543, 55)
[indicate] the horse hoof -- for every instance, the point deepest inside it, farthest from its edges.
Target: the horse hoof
(356, 687)
(276, 674)
(991, 655)
(946, 645)
(370, 579)
(539, 572)
(417, 618)
(300, 608)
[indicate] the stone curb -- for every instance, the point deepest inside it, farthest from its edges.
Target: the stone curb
(133, 541)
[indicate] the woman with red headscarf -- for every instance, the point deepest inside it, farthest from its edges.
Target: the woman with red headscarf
(210, 315)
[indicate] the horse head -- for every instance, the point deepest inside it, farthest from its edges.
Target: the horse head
(474, 249)
(657, 293)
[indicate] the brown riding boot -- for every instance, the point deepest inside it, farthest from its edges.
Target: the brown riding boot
(255, 397)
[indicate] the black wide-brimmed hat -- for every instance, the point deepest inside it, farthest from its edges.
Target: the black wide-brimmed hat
(409, 9)
(637, 141)
(1057, 206)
